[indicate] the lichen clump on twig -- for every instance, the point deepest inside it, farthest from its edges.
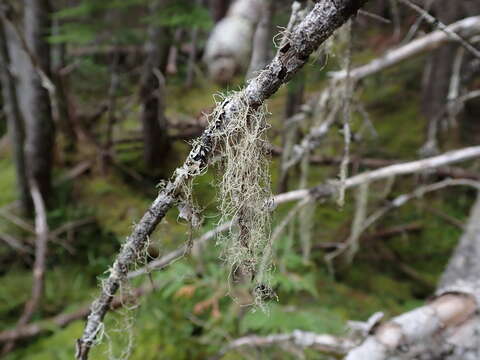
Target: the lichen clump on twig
(244, 191)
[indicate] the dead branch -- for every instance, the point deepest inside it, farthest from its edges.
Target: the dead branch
(318, 25)
(466, 28)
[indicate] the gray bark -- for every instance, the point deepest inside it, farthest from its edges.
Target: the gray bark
(14, 121)
(318, 26)
(36, 107)
(154, 123)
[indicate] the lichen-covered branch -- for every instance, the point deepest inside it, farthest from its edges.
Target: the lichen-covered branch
(318, 25)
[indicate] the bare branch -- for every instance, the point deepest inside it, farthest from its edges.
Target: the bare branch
(466, 27)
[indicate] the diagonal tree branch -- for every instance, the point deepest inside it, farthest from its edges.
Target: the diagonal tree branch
(318, 25)
(466, 28)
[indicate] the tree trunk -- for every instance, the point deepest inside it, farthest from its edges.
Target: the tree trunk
(152, 92)
(229, 45)
(218, 9)
(66, 123)
(36, 109)
(262, 40)
(14, 121)
(438, 69)
(294, 101)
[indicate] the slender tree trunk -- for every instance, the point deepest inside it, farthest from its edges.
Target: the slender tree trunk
(192, 57)
(66, 123)
(156, 144)
(262, 40)
(295, 96)
(14, 121)
(37, 113)
(438, 68)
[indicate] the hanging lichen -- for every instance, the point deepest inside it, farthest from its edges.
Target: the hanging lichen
(244, 193)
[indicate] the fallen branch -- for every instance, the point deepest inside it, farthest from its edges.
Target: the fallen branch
(318, 25)
(303, 339)
(444, 171)
(327, 190)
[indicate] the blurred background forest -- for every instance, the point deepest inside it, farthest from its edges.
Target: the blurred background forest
(102, 101)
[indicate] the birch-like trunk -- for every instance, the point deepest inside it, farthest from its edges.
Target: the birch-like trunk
(229, 45)
(14, 120)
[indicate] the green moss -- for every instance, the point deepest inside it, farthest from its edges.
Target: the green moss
(8, 190)
(116, 206)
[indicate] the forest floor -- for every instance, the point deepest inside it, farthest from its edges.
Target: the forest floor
(190, 314)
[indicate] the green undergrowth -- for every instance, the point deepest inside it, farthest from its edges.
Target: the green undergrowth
(192, 314)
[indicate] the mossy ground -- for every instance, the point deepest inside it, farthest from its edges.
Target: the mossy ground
(190, 315)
